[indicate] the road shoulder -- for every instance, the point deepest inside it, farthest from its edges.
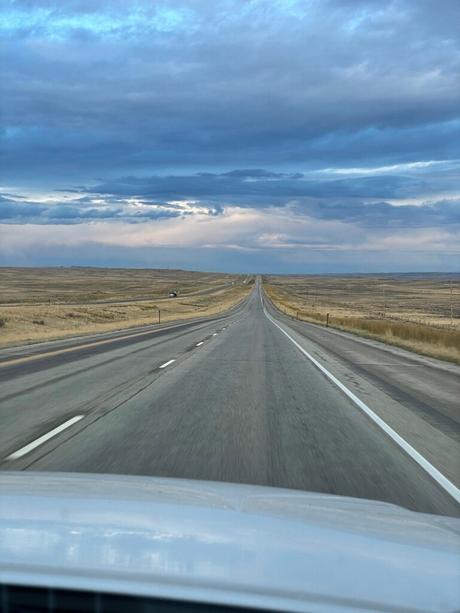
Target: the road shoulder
(440, 449)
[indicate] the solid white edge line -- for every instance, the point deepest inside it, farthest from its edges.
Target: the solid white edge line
(42, 439)
(167, 363)
(200, 343)
(443, 481)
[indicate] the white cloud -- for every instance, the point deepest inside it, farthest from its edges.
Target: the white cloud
(236, 228)
(391, 168)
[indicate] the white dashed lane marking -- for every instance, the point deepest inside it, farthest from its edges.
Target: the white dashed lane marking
(167, 363)
(42, 439)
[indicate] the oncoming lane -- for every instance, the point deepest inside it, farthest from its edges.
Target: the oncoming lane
(40, 393)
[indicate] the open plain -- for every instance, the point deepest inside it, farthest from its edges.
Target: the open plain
(420, 312)
(38, 304)
(246, 395)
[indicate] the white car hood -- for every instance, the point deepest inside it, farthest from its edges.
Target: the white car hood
(225, 543)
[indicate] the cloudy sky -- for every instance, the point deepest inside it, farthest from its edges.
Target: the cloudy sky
(243, 135)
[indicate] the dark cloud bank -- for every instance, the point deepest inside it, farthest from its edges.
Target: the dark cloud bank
(344, 200)
(159, 102)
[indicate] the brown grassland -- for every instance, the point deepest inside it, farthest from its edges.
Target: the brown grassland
(38, 304)
(417, 312)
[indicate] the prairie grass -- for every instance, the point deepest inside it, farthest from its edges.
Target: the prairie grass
(442, 341)
(98, 285)
(38, 306)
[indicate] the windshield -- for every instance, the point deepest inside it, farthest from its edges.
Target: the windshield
(229, 244)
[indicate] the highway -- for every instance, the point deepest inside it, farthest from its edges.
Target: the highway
(239, 398)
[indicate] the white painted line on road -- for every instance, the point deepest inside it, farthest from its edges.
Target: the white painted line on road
(200, 343)
(167, 363)
(42, 439)
(443, 481)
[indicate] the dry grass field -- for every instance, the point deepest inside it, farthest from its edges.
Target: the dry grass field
(417, 312)
(39, 304)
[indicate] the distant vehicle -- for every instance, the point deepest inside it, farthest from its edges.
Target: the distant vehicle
(141, 544)
(172, 294)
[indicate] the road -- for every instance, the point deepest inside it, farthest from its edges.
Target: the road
(234, 398)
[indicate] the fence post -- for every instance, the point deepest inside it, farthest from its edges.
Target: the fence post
(297, 315)
(159, 316)
(327, 320)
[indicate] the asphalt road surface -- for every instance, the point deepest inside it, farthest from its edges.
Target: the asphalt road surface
(234, 398)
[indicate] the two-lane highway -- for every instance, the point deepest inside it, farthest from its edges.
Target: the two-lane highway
(232, 399)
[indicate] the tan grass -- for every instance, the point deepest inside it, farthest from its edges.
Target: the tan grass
(31, 319)
(440, 340)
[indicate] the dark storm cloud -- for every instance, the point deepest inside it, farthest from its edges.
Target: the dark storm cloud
(82, 210)
(258, 187)
(113, 85)
(327, 110)
(294, 197)
(384, 215)
(19, 211)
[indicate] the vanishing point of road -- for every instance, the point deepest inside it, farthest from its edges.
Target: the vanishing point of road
(248, 396)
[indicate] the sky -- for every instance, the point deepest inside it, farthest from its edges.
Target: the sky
(285, 136)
